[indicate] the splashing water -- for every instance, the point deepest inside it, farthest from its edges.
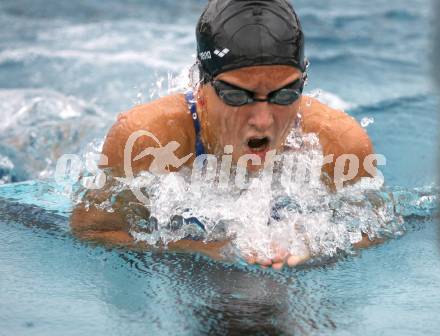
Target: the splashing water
(162, 86)
(5, 167)
(330, 99)
(293, 212)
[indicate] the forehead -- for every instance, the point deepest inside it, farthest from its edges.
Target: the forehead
(261, 78)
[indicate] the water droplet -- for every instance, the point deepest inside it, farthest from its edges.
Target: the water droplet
(316, 93)
(367, 121)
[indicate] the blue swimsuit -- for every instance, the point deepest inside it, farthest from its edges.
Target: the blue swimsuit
(200, 149)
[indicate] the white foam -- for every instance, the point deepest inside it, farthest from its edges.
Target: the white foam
(154, 60)
(20, 107)
(41, 125)
(307, 218)
(330, 99)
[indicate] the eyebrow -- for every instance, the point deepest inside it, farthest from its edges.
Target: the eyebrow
(253, 92)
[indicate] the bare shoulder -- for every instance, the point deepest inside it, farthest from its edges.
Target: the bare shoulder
(338, 132)
(166, 119)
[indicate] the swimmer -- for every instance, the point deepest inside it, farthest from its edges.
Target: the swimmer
(252, 69)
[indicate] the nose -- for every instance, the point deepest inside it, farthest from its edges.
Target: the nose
(261, 118)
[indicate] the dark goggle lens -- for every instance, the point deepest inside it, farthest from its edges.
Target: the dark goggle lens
(237, 97)
(285, 97)
(234, 97)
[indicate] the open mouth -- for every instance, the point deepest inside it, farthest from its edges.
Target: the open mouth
(258, 144)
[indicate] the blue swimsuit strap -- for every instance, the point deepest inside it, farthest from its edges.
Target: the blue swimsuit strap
(189, 96)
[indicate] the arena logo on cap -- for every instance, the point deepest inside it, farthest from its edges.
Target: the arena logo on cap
(221, 53)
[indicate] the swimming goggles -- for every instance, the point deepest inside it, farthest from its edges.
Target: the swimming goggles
(235, 96)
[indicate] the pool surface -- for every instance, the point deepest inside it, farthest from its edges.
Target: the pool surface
(67, 69)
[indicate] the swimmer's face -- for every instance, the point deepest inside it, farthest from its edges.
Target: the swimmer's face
(254, 128)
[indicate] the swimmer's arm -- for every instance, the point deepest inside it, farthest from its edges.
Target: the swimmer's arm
(95, 221)
(365, 242)
(98, 226)
(339, 134)
(115, 233)
(168, 121)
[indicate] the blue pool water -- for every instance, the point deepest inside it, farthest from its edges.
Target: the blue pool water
(68, 68)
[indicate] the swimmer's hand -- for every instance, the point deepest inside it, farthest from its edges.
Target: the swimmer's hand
(281, 258)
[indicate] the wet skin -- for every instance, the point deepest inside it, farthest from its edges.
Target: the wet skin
(228, 125)
(168, 119)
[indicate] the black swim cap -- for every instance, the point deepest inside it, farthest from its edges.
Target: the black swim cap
(233, 34)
